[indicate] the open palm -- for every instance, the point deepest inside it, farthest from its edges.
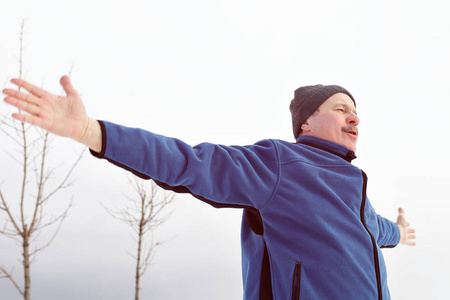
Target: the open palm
(61, 115)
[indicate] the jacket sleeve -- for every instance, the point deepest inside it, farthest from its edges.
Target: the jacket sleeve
(389, 233)
(232, 175)
(385, 232)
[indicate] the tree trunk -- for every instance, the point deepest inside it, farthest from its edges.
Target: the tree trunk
(26, 265)
(138, 263)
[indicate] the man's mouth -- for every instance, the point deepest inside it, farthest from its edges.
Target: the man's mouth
(351, 130)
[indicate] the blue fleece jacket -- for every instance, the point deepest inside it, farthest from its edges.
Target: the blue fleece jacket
(308, 229)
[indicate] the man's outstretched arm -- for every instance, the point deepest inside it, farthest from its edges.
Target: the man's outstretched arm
(406, 234)
(61, 115)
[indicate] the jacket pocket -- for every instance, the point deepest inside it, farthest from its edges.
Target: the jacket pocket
(296, 281)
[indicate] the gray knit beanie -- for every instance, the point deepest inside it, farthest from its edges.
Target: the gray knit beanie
(307, 100)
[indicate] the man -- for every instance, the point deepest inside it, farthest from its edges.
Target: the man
(308, 229)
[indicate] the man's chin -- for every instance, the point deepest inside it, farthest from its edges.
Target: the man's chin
(351, 146)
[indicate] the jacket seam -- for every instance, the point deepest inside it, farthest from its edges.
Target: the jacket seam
(376, 260)
(277, 184)
(317, 165)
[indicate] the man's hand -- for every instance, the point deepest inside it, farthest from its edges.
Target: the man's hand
(65, 116)
(406, 234)
(61, 115)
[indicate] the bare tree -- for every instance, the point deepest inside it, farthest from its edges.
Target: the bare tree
(144, 216)
(25, 218)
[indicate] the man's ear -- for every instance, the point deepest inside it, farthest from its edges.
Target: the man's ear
(305, 126)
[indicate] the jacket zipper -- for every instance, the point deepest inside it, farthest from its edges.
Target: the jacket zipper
(296, 281)
(374, 244)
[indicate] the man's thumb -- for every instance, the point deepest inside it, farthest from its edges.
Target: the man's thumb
(67, 85)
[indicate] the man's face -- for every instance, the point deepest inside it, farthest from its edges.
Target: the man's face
(336, 121)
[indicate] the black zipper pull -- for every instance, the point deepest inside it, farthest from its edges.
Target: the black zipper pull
(350, 156)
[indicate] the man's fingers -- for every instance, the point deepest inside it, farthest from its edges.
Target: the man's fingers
(22, 96)
(29, 87)
(23, 105)
(66, 83)
(410, 237)
(33, 120)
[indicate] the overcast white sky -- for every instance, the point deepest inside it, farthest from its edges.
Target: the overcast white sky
(225, 72)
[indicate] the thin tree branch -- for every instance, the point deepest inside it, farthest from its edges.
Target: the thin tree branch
(5, 208)
(8, 275)
(63, 183)
(61, 219)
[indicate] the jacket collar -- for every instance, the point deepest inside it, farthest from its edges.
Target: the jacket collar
(328, 146)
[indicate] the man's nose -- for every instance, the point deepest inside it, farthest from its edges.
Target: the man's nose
(353, 119)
